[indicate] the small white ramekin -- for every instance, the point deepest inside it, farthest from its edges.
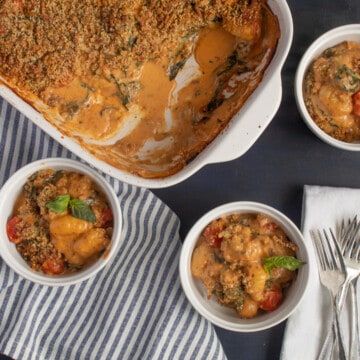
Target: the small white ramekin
(225, 317)
(10, 191)
(331, 38)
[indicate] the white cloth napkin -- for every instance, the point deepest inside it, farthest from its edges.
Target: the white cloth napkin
(133, 309)
(306, 329)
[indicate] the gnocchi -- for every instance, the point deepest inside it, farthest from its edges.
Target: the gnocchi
(61, 222)
(331, 88)
(230, 260)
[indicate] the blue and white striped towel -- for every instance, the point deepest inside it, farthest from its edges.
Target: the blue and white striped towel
(133, 309)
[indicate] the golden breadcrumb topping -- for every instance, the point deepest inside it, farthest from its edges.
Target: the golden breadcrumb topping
(48, 43)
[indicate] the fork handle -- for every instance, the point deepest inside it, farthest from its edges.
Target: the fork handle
(338, 337)
(354, 346)
(328, 345)
(354, 337)
(334, 333)
(333, 337)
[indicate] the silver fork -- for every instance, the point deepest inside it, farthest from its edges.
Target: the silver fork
(350, 247)
(332, 274)
(348, 239)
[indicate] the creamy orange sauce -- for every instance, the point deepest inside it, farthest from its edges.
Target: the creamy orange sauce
(89, 106)
(153, 98)
(213, 47)
(332, 91)
(151, 126)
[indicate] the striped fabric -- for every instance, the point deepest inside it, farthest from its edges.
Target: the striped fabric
(133, 309)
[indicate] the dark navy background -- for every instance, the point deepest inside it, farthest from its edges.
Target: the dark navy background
(274, 170)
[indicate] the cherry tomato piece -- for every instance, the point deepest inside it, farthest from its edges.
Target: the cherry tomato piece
(12, 231)
(356, 103)
(272, 299)
(53, 266)
(271, 226)
(211, 233)
(107, 218)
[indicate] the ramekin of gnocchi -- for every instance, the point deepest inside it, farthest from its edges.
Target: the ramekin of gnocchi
(327, 87)
(60, 222)
(244, 266)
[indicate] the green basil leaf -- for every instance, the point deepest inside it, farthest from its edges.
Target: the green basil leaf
(59, 204)
(287, 262)
(347, 79)
(81, 210)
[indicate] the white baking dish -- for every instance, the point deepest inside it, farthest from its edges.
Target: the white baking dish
(240, 134)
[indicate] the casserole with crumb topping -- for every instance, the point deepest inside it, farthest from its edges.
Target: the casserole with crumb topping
(143, 85)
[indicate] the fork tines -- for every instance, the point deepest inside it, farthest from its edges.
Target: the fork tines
(327, 250)
(349, 238)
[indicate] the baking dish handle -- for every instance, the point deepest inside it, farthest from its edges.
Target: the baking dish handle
(249, 124)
